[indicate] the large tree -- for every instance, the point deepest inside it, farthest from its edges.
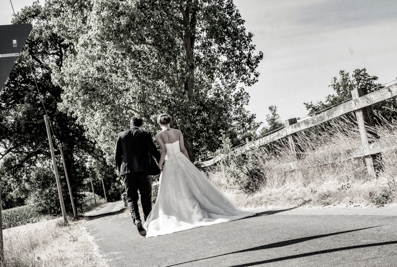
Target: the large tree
(29, 94)
(188, 58)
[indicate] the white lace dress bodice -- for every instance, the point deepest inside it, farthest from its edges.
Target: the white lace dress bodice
(173, 148)
(186, 198)
(174, 154)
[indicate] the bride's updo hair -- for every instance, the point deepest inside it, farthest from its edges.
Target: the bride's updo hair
(164, 119)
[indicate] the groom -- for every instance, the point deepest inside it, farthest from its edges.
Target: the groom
(134, 151)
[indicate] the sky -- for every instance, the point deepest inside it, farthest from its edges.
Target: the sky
(305, 44)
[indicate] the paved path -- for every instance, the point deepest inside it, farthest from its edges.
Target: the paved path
(290, 237)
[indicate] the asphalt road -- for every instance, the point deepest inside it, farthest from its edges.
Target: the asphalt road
(296, 237)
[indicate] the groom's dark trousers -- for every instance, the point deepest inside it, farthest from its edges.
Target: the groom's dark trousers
(134, 151)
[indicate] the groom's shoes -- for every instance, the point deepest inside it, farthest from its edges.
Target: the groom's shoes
(141, 230)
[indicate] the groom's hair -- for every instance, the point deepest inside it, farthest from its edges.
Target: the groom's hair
(135, 121)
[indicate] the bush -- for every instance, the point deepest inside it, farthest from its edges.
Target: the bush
(20, 216)
(114, 190)
(384, 197)
(246, 172)
(387, 195)
(45, 193)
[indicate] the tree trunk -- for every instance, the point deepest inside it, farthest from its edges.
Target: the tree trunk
(189, 148)
(190, 87)
(189, 36)
(143, 102)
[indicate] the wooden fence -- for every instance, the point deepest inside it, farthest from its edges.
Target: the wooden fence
(360, 103)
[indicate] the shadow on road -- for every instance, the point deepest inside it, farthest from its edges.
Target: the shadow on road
(317, 253)
(287, 243)
(93, 217)
(271, 212)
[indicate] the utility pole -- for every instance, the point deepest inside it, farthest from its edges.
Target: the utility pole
(67, 180)
(104, 191)
(47, 125)
(1, 233)
(93, 192)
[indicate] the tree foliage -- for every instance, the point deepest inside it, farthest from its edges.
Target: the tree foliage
(344, 84)
(26, 161)
(273, 122)
(187, 58)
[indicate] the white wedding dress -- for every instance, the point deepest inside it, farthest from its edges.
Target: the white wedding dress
(187, 199)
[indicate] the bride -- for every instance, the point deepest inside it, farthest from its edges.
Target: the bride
(186, 198)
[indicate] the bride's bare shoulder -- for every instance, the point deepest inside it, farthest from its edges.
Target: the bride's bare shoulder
(176, 132)
(158, 135)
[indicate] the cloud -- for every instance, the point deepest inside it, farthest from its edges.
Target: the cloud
(285, 18)
(342, 14)
(307, 42)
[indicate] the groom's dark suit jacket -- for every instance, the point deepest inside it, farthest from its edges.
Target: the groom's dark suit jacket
(134, 151)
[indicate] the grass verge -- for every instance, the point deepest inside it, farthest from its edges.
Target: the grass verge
(257, 180)
(50, 244)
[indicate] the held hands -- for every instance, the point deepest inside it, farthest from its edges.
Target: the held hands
(161, 164)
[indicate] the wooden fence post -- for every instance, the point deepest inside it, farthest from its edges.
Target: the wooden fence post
(370, 121)
(293, 145)
(47, 124)
(67, 180)
(360, 116)
(223, 170)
